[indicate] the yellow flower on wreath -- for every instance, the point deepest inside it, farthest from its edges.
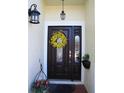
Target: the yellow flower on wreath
(58, 40)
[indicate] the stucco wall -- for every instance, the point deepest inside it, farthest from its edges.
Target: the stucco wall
(89, 79)
(35, 43)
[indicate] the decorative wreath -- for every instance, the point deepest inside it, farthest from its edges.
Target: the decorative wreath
(58, 40)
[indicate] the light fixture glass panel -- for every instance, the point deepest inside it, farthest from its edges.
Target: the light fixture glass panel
(36, 17)
(62, 15)
(32, 18)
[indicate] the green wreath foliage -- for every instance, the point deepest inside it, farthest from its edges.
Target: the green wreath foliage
(58, 36)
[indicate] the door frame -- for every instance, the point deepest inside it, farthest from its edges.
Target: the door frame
(70, 23)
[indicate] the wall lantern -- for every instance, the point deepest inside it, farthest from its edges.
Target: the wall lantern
(62, 14)
(33, 14)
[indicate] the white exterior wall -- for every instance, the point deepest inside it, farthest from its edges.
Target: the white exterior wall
(89, 79)
(35, 43)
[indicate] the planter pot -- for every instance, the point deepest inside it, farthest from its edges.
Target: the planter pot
(86, 64)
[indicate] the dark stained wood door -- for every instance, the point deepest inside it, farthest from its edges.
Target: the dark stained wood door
(64, 62)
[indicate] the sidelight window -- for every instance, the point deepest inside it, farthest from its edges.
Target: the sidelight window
(77, 49)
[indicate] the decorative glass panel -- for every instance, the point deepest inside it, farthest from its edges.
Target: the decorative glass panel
(77, 48)
(59, 54)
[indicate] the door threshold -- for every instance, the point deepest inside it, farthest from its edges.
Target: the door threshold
(76, 82)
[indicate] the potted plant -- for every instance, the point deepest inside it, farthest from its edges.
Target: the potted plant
(85, 61)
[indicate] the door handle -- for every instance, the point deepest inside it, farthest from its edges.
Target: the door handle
(69, 56)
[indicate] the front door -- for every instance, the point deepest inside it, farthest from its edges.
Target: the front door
(64, 52)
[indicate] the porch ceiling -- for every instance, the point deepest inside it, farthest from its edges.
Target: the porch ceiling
(67, 2)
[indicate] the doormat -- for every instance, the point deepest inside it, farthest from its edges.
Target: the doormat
(66, 88)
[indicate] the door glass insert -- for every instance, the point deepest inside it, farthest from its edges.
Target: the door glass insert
(77, 48)
(59, 54)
